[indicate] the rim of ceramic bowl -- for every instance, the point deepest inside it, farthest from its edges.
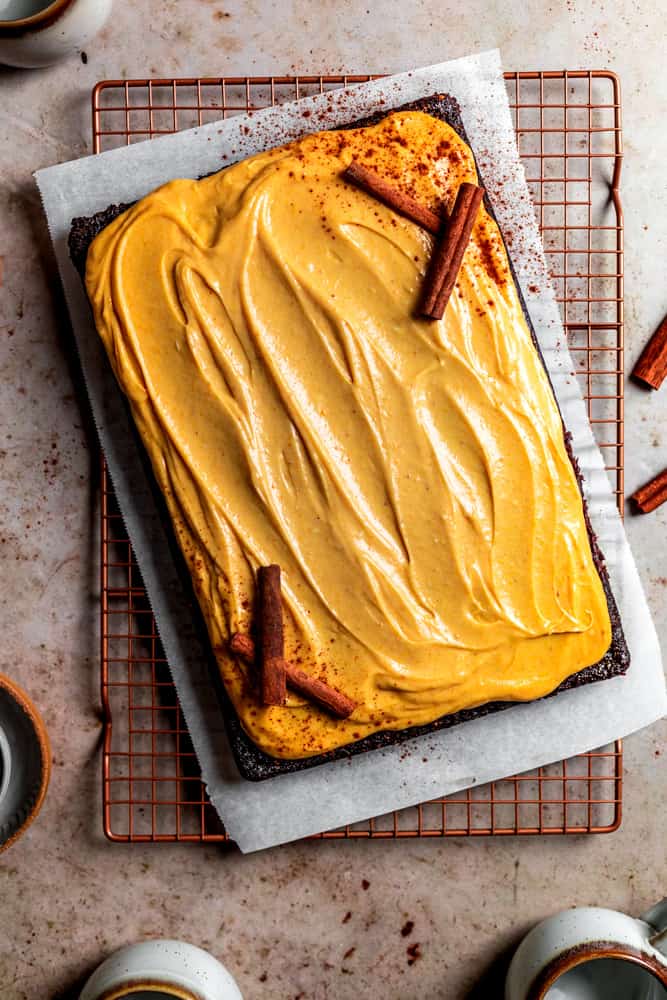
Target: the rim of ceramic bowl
(125, 991)
(41, 19)
(5, 764)
(24, 702)
(591, 952)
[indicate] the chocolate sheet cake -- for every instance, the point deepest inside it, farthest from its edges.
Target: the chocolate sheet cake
(254, 762)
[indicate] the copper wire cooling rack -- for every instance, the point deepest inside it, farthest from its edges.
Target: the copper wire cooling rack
(569, 133)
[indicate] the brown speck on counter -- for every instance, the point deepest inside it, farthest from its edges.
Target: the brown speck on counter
(365, 884)
(84, 57)
(346, 917)
(407, 928)
(413, 952)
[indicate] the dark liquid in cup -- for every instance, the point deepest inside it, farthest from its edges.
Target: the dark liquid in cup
(607, 979)
(14, 10)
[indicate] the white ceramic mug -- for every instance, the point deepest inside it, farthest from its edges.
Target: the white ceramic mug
(40, 32)
(589, 953)
(161, 970)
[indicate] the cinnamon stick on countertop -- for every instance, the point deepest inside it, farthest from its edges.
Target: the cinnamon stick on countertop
(651, 368)
(652, 494)
(272, 659)
(313, 688)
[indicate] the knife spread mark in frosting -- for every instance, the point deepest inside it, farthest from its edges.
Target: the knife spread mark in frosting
(410, 477)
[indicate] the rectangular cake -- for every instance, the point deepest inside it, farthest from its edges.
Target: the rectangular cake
(411, 477)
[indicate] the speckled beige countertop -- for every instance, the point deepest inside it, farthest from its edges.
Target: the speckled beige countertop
(67, 897)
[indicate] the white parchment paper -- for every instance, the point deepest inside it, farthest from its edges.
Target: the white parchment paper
(259, 815)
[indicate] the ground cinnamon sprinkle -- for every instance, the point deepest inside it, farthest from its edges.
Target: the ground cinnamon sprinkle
(490, 262)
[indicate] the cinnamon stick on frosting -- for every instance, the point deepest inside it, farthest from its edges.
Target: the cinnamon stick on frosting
(652, 494)
(449, 250)
(651, 369)
(313, 688)
(402, 203)
(272, 659)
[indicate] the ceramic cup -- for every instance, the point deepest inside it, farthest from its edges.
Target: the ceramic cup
(161, 970)
(38, 32)
(592, 954)
(25, 762)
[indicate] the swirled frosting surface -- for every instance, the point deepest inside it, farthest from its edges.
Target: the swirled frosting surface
(410, 477)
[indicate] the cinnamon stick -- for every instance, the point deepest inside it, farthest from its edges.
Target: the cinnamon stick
(402, 203)
(448, 252)
(651, 368)
(272, 659)
(243, 647)
(652, 494)
(321, 693)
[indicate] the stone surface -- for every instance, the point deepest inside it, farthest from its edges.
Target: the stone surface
(67, 897)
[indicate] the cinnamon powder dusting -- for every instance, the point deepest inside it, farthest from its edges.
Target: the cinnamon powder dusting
(496, 271)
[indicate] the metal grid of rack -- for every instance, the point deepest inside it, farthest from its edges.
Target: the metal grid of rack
(569, 133)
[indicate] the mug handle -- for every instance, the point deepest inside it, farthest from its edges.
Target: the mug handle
(656, 918)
